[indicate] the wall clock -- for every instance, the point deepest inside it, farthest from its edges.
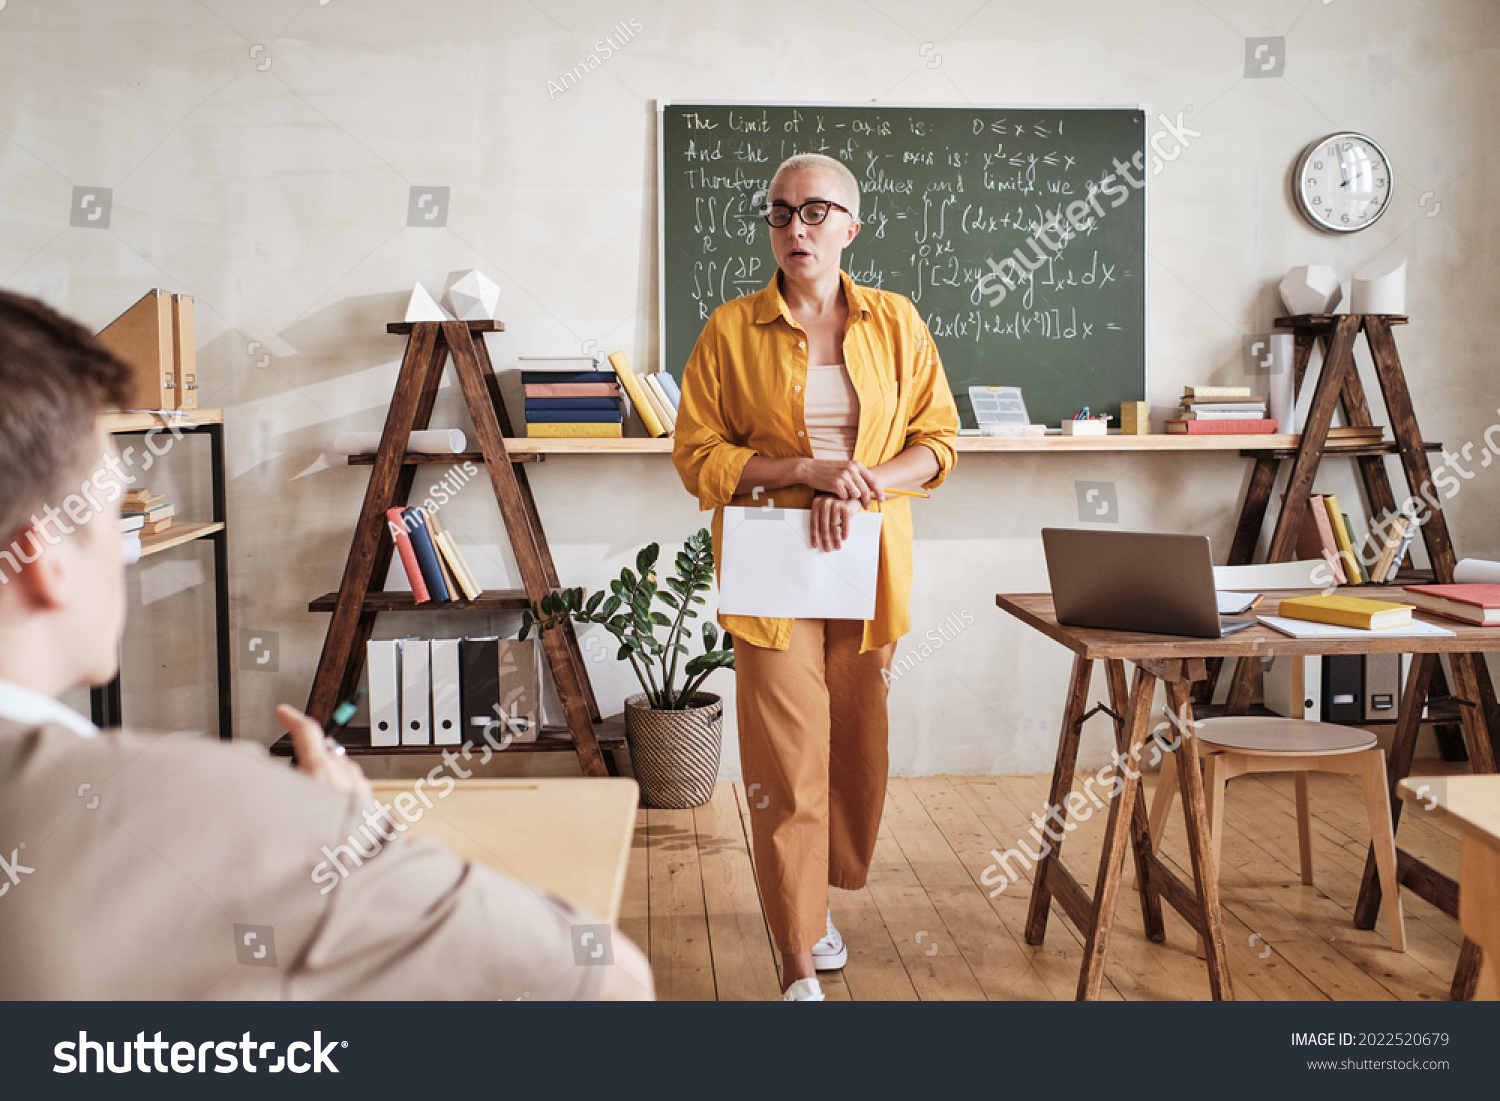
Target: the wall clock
(1342, 183)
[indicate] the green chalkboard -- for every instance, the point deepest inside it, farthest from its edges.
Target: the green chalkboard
(944, 191)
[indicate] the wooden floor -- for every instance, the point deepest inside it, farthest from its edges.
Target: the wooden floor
(925, 928)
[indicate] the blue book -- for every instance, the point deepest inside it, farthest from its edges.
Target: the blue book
(427, 559)
(670, 387)
(572, 403)
(573, 416)
(567, 376)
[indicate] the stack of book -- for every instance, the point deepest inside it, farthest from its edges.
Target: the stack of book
(1326, 533)
(1221, 411)
(655, 396)
(570, 396)
(151, 511)
(430, 557)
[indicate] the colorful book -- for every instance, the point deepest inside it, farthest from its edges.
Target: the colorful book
(611, 404)
(427, 560)
(669, 384)
(571, 430)
(1315, 539)
(155, 528)
(609, 389)
(131, 523)
(1341, 538)
(556, 365)
(1393, 535)
(1476, 604)
(632, 384)
(1221, 393)
(448, 551)
(574, 416)
(558, 378)
(155, 512)
(396, 521)
(1261, 427)
(1359, 562)
(1401, 552)
(658, 398)
(1346, 611)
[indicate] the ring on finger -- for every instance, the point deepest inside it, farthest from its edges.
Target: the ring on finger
(334, 747)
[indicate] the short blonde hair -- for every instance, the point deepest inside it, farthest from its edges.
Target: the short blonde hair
(835, 168)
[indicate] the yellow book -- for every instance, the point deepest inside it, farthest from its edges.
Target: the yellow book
(450, 560)
(637, 392)
(575, 430)
(1341, 537)
(1346, 611)
(659, 402)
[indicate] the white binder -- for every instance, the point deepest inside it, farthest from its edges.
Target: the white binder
(384, 660)
(447, 709)
(416, 692)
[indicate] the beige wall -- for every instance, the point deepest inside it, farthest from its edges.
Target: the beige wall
(277, 195)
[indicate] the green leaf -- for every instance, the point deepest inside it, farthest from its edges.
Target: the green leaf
(646, 558)
(710, 636)
(668, 599)
(661, 619)
(611, 606)
(593, 604)
(624, 652)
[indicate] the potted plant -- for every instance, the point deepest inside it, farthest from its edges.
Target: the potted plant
(674, 730)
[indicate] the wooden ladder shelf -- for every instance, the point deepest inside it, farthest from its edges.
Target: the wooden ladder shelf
(355, 606)
(1339, 384)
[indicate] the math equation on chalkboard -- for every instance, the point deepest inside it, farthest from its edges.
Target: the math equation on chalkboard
(1018, 233)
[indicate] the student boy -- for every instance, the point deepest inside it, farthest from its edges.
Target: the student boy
(174, 867)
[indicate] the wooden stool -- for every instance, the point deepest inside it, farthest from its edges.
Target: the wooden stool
(1236, 746)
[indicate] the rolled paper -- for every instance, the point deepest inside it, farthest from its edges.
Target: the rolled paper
(427, 440)
(1281, 404)
(1380, 285)
(1476, 571)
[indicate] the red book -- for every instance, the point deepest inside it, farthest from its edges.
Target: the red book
(1476, 604)
(1223, 428)
(419, 592)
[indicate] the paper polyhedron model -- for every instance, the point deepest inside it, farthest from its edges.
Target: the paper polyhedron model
(1311, 290)
(473, 297)
(421, 307)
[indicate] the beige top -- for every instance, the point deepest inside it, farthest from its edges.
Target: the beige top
(831, 412)
(180, 848)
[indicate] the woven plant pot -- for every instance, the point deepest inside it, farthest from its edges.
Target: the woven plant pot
(675, 754)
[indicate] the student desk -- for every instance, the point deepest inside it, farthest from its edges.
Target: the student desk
(1473, 802)
(567, 836)
(1178, 662)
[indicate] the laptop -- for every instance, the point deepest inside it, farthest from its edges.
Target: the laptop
(1135, 581)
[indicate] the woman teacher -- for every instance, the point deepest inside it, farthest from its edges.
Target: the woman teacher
(815, 393)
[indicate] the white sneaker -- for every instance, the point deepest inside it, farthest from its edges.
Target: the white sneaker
(830, 953)
(803, 990)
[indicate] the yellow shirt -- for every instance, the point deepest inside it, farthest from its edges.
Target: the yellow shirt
(742, 395)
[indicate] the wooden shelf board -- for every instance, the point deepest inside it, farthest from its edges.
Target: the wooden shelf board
(431, 458)
(519, 446)
(1352, 450)
(1329, 320)
(554, 739)
(179, 533)
(402, 328)
(144, 422)
(490, 600)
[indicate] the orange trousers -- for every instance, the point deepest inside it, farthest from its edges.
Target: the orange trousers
(814, 753)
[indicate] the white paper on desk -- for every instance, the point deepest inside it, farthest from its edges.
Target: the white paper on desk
(772, 569)
(1303, 628)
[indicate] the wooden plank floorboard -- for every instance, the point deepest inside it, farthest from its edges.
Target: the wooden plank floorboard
(692, 903)
(744, 966)
(681, 955)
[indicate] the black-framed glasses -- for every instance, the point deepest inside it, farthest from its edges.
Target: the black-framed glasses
(813, 212)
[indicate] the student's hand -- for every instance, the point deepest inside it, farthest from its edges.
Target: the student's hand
(831, 519)
(316, 759)
(847, 480)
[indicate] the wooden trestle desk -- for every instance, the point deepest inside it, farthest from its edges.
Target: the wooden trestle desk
(1179, 662)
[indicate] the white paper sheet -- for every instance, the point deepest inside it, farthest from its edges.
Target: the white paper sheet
(1235, 603)
(772, 569)
(1303, 628)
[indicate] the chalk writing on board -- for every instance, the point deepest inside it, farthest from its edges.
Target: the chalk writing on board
(1014, 232)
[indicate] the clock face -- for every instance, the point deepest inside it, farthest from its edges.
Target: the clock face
(1343, 183)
